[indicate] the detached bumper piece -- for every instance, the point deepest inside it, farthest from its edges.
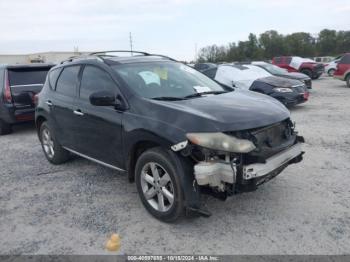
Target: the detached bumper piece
(273, 163)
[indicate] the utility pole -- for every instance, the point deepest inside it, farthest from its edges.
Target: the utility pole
(195, 52)
(130, 38)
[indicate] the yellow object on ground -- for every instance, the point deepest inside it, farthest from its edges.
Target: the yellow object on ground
(113, 244)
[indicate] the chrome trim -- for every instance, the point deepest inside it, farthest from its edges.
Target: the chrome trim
(93, 159)
(179, 146)
(27, 85)
(272, 163)
(78, 113)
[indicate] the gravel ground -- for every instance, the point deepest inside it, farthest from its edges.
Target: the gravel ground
(73, 208)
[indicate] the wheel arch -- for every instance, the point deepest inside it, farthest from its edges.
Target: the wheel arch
(139, 142)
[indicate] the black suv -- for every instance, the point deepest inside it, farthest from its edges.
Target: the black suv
(170, 128)
(18, 86)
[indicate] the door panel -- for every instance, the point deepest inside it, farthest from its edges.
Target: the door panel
(62, 106)
(100, 127)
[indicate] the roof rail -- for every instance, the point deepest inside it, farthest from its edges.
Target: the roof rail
(101, 55)
(70, 59)
(129, 51)
(118, 51)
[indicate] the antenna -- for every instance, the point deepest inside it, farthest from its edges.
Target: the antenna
(130, 38)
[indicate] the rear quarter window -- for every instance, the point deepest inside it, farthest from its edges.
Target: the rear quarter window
(25, 76)
(53, 75)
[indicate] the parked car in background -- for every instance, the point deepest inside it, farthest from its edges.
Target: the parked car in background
(332, 66)
(204, 66)
(323, 59)
(278, 71)
(343, 69)
(18, 86)
(173, 130)
(298, 64)
(250, 77)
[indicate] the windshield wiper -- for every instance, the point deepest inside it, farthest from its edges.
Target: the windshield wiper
(168, 98)
(205, 93)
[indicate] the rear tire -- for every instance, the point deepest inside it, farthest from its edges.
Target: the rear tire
(159, 186)
(53, 151)
(348, 80)
(5, 128)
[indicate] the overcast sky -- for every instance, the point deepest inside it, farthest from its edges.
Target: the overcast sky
(171, 27)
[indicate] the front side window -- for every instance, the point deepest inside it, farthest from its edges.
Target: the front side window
(67, 82)
(165, 79)
(93, 80)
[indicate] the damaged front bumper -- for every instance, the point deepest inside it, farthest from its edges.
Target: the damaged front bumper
(230, 177)
(262, 169)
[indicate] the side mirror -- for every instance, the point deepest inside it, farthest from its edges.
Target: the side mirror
(103, 98)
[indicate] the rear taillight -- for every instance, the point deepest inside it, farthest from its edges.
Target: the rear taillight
(36, 99)
(7, 91)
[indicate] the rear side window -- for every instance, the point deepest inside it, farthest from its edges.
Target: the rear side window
(53, 77)
(27, 76)
(345, 60)
(277, 60)
(95, 79)
(66, 83)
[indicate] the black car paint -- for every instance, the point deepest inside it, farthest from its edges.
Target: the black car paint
(291, 75)
(164, 121)
(266, 85)
(112, 135)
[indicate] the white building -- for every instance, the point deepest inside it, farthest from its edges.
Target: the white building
(43, 57)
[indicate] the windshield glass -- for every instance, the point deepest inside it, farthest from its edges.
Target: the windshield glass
(165, 79)
(273, 69)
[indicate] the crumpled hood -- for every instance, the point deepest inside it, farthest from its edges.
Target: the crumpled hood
(237, 110)
(279, 81)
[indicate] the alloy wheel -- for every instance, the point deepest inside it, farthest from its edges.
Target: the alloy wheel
(48, 143)
(157, 187)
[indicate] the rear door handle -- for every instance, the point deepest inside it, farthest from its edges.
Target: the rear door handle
(78, 112)
(49, 103)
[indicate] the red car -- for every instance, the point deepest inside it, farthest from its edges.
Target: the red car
(343, 69)
(299, 64)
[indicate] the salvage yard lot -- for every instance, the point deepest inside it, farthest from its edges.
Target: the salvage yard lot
(73, 208)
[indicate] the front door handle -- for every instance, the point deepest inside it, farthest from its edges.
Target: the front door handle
(49, 103)
(78, 112)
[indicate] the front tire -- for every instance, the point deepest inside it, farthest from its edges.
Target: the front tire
(159, 186)
(348, 80)
(307, 72)
(53, 151)
(330, 72)
(5, 128)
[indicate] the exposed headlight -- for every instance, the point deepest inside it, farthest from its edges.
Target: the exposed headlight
(221, 141)
(283, 90)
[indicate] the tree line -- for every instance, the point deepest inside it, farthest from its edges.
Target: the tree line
(271, 43)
